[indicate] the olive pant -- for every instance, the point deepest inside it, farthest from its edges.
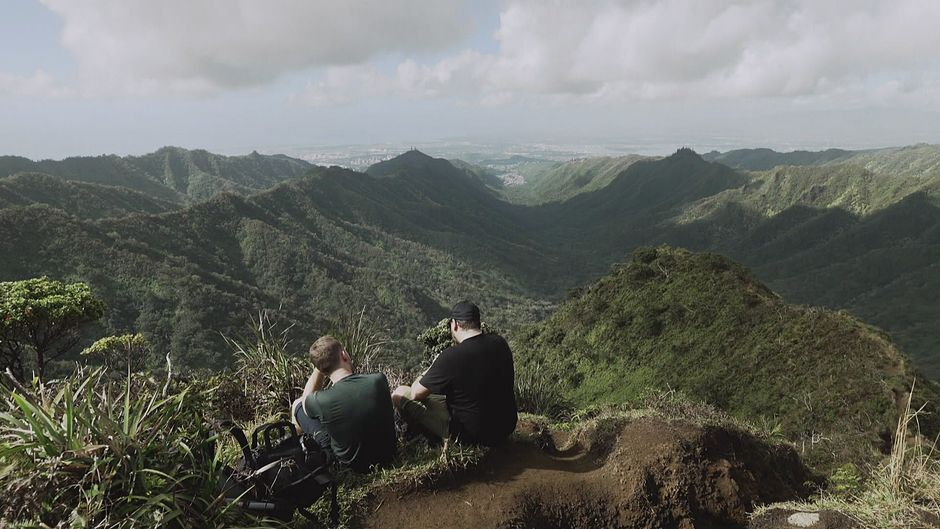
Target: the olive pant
(429, 416)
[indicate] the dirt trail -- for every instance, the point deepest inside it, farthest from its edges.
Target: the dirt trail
(645, 474)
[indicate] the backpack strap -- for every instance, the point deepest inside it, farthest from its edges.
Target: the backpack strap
(334, 506)
(334, 509)
(242, 439)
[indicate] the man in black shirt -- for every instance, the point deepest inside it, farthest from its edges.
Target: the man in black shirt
(471, 383)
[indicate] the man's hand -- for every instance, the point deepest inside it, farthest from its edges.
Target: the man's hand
(314, 383)
(401, 392)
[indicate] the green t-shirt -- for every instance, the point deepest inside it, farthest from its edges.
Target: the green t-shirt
(357, 413)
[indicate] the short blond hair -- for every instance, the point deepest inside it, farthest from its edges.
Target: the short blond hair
(325, 353)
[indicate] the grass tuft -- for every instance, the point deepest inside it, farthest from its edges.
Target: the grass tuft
(902, 492)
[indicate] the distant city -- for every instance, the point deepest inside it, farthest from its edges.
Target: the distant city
(496, 155)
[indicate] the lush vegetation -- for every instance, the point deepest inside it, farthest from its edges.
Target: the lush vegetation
(703, 324)
(375, 258)
(309, 251)
(92, 451)
(563, 180)
(915, 161)
(99, 449)
(82, 199)
(40, 320)
(764, 159)
(903, 490)
(169, 174)
(415, 233)
(128, 352)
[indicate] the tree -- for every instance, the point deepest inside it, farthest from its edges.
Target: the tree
(42, 316)
(126, 353)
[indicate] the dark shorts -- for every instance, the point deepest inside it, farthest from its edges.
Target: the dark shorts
(310, 425)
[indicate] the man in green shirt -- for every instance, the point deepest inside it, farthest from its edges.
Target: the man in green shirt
(354, 416)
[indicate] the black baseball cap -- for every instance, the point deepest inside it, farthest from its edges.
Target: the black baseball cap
(465, 311)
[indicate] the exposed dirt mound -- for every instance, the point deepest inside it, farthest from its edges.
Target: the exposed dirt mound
(645, 473)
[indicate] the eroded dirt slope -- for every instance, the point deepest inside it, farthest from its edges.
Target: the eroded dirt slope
(644, 473)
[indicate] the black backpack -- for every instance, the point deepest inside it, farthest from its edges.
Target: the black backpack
(280, 472)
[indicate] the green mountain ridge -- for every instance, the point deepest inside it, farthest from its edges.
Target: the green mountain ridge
(563, 180)
(908, 161)
(310, 246)
(704, 325)
(411, 225)
(82, 199)
(170, 173)
(765, 159)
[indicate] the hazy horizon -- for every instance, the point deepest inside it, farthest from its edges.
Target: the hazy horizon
(100, 77)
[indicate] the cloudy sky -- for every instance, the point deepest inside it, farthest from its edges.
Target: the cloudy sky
(128, 76)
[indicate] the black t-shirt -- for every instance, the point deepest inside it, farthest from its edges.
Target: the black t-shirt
(477, 377)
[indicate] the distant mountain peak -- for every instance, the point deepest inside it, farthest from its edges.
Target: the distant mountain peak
(685, 153)
(412, 155)
(409, 159)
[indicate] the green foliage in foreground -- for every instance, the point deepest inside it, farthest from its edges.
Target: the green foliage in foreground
(702, 324)
(43, 317)
(97, 451)
(93, 452)
(902, 491)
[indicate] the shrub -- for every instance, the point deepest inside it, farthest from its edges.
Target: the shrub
(902, 491)
(437, 338)
(538, 391)
(94, 452)
(271, 378)
(120, 353)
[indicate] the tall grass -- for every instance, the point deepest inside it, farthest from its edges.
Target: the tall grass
(271, 378)
(538, 392)
(361, 340)
(95, 452)
(902, 492)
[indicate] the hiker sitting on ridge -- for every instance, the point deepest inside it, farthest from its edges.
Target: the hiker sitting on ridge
(353, 417)
(467, 393)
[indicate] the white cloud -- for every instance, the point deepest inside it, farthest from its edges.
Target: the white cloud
(615, 51)
(205, 46)
(38, 85)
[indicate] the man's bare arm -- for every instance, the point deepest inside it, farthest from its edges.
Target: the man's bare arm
(415, 392)
(314, 383)
(419, 392)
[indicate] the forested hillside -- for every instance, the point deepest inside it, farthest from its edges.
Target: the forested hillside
(558, 181)
(171, 173)
(81, 199)
(412, 234)
(840, 235)
(310, 250)
(922, 160)
(704, 325)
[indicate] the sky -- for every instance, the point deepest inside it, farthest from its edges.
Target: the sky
(82, 77)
